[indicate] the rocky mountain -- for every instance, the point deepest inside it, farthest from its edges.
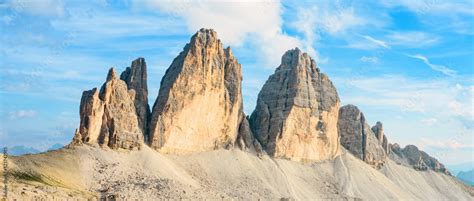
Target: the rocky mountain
(297, 111)
(108, 117)
(359, 139)
(412, 156)
(199, 106)
(183, 148)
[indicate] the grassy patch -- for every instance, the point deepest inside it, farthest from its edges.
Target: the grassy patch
(31, 177)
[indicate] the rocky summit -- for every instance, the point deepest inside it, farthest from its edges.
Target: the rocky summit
(297, 111)
(199, 106)
(109, 118)
(359, 139)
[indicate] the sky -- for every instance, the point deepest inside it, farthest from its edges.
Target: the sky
(408, 64)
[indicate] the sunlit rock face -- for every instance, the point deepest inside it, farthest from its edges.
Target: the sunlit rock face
(297, 111)
(199, 106)
(108, 117)
(136, 78)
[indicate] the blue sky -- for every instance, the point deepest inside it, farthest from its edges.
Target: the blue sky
(408, 64)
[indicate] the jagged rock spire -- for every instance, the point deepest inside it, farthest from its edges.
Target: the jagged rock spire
(108, 118)
(136, 79)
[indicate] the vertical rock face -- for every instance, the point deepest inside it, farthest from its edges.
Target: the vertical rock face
(378, 131)
(358, 138)
(108, 117)
(91, 111)
(245, 138)
(297, 111)
(199, 106)
(419, 160)
(136, 79)
(381, 137)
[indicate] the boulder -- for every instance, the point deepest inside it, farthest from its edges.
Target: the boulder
(297, 111)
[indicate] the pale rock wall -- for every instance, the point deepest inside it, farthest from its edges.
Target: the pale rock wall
(199, 105)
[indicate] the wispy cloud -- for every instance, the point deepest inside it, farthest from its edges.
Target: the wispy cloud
(414, 39)
(377, 42)
(439, 68)
(367, 59)
(49, 8)
(445, 144)
(429, 121)
(463, 7)
(21, 114)
(370, 43)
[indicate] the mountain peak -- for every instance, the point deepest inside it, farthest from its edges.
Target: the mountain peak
(204, 37)
(112, 74)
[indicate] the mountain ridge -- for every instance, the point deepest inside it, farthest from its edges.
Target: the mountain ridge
(298, 137)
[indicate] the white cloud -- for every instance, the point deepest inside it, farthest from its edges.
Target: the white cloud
(369, 43)
(436, 98)
(367, 59)
(324, 18)
(234, 21)
(377, 42)
(332, 20)
(49, 8)
(412, 39)
(260, 23)
(22, 114)
(444, 144)
(439, 68)
(429, 121)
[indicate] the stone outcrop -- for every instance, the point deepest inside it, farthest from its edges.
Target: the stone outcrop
(245, 138)
(199, 106)
(136, 79)
(358, 138)
(419, 160)
(108, 117)
(381, 137)
(297, 111)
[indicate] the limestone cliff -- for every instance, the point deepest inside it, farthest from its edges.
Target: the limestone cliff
(297, 111)
(136, 79)
(199, 106)
(358, 138)
(381, 137)
(108, 118)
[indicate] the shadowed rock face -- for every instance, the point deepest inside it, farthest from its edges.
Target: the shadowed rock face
(199, 106)
(412, 156)
(136, 79)
(297, 111)
(108, 117)
(381, 137)
(358, 138)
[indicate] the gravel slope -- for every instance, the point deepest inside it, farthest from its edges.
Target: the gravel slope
(88, 172)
